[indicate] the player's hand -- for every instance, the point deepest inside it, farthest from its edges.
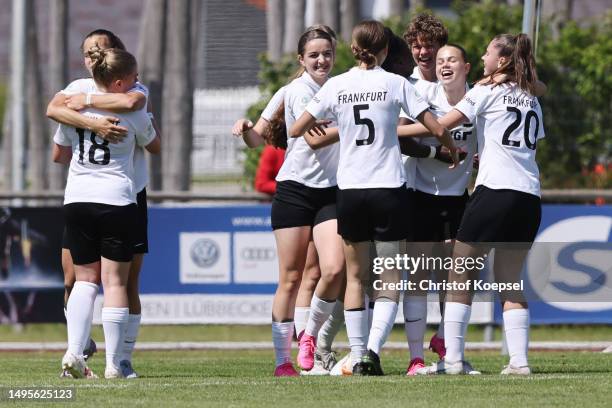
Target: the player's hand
(107, 127)
(476, 161)
(443, 154)
(319, 128)
(76, 101)
(241, 126)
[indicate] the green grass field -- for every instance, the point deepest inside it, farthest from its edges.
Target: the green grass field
(243, 378)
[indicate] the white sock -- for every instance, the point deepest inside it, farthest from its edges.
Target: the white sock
(320, 310)
(131, 333)
(331, 327)
(79, 312)
(415, 323)
(357, 332)
(456, 319)
(114, 321)
(301, 319)
(516, 327)
(382, 323)
(282, 333)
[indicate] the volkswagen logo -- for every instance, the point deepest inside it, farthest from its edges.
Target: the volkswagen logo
(204, 253)
(258, 254)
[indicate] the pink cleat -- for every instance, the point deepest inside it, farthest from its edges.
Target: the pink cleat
(415, 365)
(286, 370)
(307, 346)
(436, 344)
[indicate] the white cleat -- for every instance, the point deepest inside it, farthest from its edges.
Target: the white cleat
(127, 370)
(343, 367)
(323, 363)
(112, 372)
(74, 365)
(444, 367)
(512, 370)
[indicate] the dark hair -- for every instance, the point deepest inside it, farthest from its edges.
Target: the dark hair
(276, 133)
(113, 40)
(520, 62)
(325, 28)
(461, 50)
(110, 64)
(399, 60)
(313, 34)
(369, 38)
(428, 27)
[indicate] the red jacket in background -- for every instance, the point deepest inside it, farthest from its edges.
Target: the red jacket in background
(270, 162)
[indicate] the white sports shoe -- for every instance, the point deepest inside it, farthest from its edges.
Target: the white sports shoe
(112, 372)
(512, 370)
(608, 350)
(75, 365)
(127, 370)
(343, 367)
(323, 363)
(444, 367)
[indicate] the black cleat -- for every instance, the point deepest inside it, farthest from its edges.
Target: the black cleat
(91, 349)
(373, 361)
(361, 368)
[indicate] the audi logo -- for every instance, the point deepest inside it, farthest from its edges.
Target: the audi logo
(258, 254)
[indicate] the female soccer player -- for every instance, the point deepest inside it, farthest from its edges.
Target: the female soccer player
(505, 207)
(64, 108)
(441, 193)
(101, 214)
(371, 201)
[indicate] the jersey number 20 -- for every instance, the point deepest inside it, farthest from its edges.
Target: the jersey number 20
(92, 149)
(364, 121)
(517, 143)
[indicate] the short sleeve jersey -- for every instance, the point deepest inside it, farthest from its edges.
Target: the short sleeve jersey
(88, 85)
(508, 124)
(313, 168)
(434, 176)
(102, 172)
(273, 104)
(366, 105)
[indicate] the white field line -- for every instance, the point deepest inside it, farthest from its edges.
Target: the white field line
(267, 345)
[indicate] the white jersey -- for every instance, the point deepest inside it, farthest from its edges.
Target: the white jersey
(273, 104)
(103, 172)
(313, 168)
(508, 124)
(366, 105)
(434, 176)
(88, 85)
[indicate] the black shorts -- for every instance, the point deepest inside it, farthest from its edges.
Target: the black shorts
(96, 230)
(141, 233)
(500, 216)
(437, 218)
(373, 214)
(297, 205)
(141, 239)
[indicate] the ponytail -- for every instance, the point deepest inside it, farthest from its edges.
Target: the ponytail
(369, 39)
(276, 133)
(520, 62)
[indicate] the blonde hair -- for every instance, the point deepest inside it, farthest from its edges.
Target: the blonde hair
(110, 64)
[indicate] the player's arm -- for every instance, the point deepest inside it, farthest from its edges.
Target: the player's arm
(319, 137)
(114, 102)
(251, 134)
(540, 88)
(441, 132)
(304, 123)
(61, 154)
(154, 147)
(105, 127)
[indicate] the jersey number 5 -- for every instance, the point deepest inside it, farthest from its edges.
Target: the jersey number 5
(517, 143)
(92, 149)
(364, 121)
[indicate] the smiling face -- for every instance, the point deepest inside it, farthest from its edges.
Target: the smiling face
(424, 54)
(318, 59)
(451, 67)
(492, 59)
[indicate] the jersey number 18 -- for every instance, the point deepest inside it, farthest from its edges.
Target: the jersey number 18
(92, 149)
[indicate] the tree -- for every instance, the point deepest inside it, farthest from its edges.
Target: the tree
(274, 29)
(151, 71)
(349, 12)
(58, 74)
(38, 139)
(294, 24)
(178, 97)
(396, 7)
